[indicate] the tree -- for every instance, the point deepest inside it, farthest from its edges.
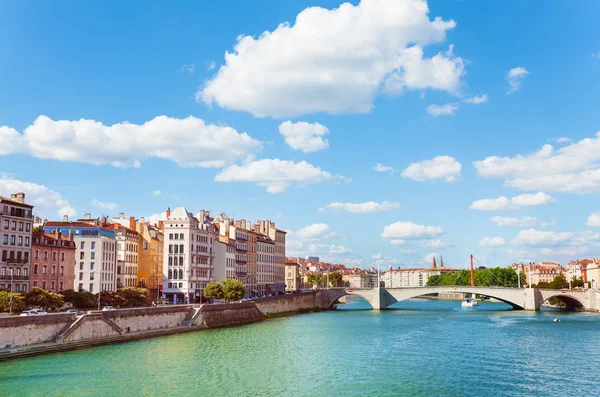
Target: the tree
(134, 297)
(559, 282)
(334, 279)
(213, 291)
(18, 302)
(42, 298)
(233, 289)
(110, 298)
(80, 300)
(314, 279)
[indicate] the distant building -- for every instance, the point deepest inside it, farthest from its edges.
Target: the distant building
(292, 276)
(16, 227)
(53, 261)
(413, 277)
(313, 258)
(537, 273)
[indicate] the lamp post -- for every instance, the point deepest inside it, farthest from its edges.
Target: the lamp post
(11, 291)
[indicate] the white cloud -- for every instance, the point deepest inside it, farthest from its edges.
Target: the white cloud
(409, 230)
(477, 99)
(397, 242)
(524, 221)
(277, 175)
(436, 243)
(189, 68)
(492, 242)
(383, 168)
(314, 231)
(573, 168)
(189, 142)
(594, 220)
(377, 256)
(527, 200)
(379, 259)
(407, 251)
(440, 167)
(522, 200)
(154, 218)
(442, 110)
(339, 250)
(429, 258)
(368, 207)
(47, 203)
(336, 61)
(211, 65)
(515, 79)
(533, 238)
(156, 193)
(500, 203)
(104, 206)
(563, 140)
(304, 136)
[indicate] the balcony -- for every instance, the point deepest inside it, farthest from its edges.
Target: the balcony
(17, 213)
(241, 274)
(14, 278)
(12, 261)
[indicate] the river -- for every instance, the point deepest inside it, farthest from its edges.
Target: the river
(425, 348)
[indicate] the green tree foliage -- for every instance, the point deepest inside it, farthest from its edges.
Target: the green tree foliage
(80, 300)
(110, 298)
(233, 289)
(18, 302)
(335, 279)
(134, 297)
(493, 277)
(314, 279)
(213, 291)
(38, 297)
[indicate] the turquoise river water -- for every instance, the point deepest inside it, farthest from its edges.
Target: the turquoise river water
(425, 348)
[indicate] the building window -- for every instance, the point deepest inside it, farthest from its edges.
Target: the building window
(145, 245)
(35, 269)
(28, 227)
(91, 287)
(62, 256)
(93, 245)
(52, 285)
(181, 261)
(91, 265)
(91, 275)
(93, 255)
(20, 226)
(43, 285)
(45, 255)
(80, 287)
(53, 269)
(13, 225)
(80, 276)
(180, 274)
(180, 285)
(5, 239)
(170, 236)
(170, 285)
(62, 271)
(5, 224)
(181, 236)
(82, 245)
(170, 261)
(82, 255)
(80, 265)
(181, 248)
(54, 256)
(35, 283)
(26, 241)
(170, 273)
(60, 288)
(176, 236)
(12, 240)
(36, 254)
(45, 269)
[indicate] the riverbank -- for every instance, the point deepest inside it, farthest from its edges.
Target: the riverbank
(34, 335)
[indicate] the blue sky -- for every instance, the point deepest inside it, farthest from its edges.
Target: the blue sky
(386, 84)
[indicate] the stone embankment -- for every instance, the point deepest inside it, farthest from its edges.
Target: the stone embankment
(33, 335)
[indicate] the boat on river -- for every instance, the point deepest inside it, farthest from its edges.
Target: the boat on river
(470, 302)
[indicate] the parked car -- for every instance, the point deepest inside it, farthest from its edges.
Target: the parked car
(76, 311)
(108, 308)
(33, 312)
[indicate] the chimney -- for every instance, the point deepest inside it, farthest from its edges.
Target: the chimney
(132, 223)
(65, 218)
(160, 225)
(88, 215)
(168, 212)
(18, 197)
(71, 235)
(57, 234)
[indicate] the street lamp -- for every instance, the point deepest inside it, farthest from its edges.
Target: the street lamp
(11, 291)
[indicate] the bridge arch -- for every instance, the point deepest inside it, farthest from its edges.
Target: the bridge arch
(503, 295)
(571, 303)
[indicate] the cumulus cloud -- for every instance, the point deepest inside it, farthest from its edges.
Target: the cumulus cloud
(46, 202)
(436, 243)
(522, 200)
(339, 250)
(189, 142)
(440, 167)
(368, 207)
(304, 136)
(383, 168)
(314, 231)
(524, 221)
(154, 218)
(156, 193)
(492, 242)
(563, 140)
(409, 230)
(477, 99)
(336, 61)
(104, 206)
(594, 220)
(428, 259)
(573, 168)
(442, 110)
(277, 175)
(397, 242)
(515, 79)
(532, 237)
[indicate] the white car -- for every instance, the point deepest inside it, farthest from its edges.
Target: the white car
(108, 308)
(34, 312)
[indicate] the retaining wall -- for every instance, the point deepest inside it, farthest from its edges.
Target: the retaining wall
(29, 330)
(292, 303)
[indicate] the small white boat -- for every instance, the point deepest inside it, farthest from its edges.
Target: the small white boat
(474, 300)
(468, 302)
(556, 320)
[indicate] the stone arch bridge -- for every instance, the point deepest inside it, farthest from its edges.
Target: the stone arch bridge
(518, 298)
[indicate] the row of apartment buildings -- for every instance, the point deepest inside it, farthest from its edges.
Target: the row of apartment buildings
(175, 259)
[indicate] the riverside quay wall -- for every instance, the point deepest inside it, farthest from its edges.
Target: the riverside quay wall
(34, 335)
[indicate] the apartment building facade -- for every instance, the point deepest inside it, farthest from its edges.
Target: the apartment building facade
(53, 261)
(16, 227)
